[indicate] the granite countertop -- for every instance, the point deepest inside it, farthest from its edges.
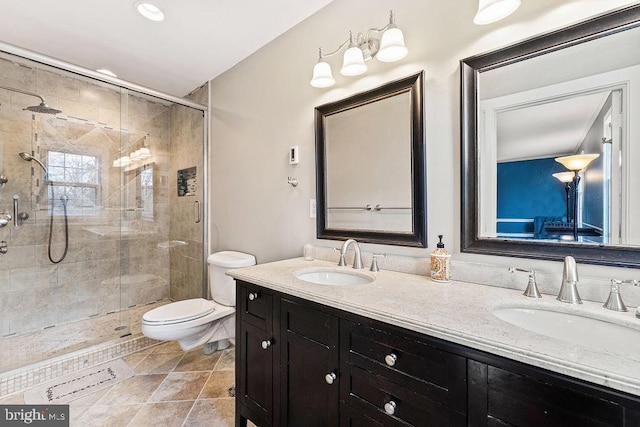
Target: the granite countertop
(461, 312)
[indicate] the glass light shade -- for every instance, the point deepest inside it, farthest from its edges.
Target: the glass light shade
(134, 156)
(353, 63)
(577, 162)
(322, 76)
(564, 176)
(490, 11)
(144, 153)
(122, 162)
(392, 46)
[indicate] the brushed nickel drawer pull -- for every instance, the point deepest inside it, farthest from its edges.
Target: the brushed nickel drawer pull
(253, 296)
(266, 344)
(330, 377)
(391, 359)
(390, 407)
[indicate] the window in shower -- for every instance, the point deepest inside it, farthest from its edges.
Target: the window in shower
(146, 192)
(77, 177)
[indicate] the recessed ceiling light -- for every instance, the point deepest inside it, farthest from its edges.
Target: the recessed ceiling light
(149, 11)
(107, 72)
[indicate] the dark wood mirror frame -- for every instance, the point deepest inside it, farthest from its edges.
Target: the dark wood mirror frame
(418, 237)
(601, 26)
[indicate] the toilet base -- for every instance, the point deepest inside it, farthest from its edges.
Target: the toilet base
(223, 330)
(211, 347)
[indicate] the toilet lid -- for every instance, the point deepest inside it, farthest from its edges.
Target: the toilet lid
(180, 311)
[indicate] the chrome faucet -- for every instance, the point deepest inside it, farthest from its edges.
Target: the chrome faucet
(569, 290)
(357, 258)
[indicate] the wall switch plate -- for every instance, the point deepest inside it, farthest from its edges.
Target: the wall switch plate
(312, 208)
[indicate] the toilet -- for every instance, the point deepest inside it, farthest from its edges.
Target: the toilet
(195, 322)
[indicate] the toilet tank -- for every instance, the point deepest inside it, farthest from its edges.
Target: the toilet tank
(223, 287)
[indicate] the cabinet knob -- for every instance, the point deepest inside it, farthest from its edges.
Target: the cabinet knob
(253, 296)
(391, 359)
(266, 344)
(390, 407)
(330, 377)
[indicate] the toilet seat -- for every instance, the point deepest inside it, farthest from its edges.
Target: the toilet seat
(179, 312)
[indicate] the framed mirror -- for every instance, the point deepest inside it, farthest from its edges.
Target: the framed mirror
(550, 140)
(370, 166)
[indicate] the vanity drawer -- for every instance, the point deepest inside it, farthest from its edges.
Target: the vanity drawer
(255, 306)
(392, 404)
(415, 364)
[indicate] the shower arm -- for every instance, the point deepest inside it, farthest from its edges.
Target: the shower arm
(26, 92)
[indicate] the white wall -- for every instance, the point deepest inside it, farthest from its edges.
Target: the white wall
(265, 104)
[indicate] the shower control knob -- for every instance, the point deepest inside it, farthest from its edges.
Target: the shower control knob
(390, 359)
(266, 344)
(253, 296)
(330, 377)
(390, 407)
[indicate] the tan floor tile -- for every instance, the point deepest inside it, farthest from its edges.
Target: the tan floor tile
(15, 399)
(92, 398)
(134, 390)
(107, 416)
(212, 412)
(167, 347)
(218, 385)
(158, 363)
(134, 359)
(195, 360)
(180, 386)
(227, 360)
(168, 413)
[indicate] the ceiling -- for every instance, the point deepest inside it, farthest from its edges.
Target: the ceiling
(197, 41)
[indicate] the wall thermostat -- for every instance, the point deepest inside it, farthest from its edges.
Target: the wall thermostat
(293, 155)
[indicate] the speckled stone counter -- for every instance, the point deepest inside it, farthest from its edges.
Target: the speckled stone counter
(462, 313)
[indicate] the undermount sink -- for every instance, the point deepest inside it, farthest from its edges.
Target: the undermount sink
(334, 276)
(574, 328)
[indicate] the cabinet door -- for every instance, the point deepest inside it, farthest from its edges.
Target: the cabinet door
(309, 352)
(256, 348)
(502, 397)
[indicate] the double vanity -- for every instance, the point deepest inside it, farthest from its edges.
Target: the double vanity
(319, 344)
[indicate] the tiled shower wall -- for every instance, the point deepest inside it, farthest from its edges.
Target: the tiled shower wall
(187, 150)
(103, 270)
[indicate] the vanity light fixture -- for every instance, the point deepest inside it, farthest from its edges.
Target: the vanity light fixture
(149, 11)
(389, 48)
(490, 11)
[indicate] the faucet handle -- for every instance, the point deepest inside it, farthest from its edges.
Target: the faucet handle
(614, 302)
(342, 262)
(532, 288)
(374, 262)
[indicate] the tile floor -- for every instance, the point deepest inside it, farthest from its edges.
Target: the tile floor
(170, 388)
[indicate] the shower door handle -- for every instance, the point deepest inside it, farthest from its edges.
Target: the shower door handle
(197, 213)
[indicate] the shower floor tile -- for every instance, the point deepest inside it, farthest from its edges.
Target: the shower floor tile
(33, 347)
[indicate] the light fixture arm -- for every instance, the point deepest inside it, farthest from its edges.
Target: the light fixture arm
(347, 41)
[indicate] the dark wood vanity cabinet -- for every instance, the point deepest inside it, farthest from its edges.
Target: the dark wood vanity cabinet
(300, 363)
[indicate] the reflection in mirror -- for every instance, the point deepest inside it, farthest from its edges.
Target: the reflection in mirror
(370, 170)
(548, 144)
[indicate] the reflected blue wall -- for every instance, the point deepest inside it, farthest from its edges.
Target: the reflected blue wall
(526, 189)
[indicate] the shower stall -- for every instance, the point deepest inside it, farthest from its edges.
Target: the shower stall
(102, 189)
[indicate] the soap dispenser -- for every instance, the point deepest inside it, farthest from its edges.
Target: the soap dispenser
(440, 263)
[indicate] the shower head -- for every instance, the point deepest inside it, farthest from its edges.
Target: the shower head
(28, 157)
(42, 108)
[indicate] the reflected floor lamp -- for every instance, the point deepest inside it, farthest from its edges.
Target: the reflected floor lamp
(575, 164)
